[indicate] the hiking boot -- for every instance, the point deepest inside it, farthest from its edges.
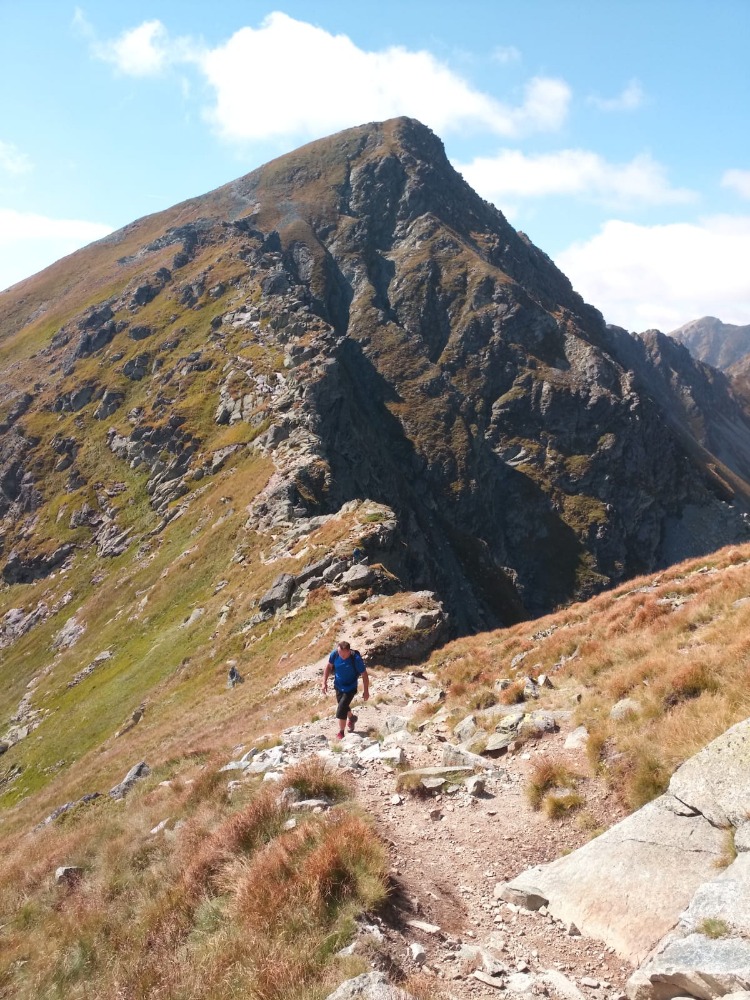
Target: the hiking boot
(339, 735)
(351, 723)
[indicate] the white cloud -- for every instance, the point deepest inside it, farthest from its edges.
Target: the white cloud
(506, 54)
(290, 77)
(663, 276)
(12, 160)
(511, 173)
(31, 242)
(738, 181)
(329, 83)
(142, 51)
(631, 98)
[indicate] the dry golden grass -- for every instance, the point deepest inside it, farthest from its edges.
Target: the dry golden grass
(557, 804)
(678, 643)
(547, 775)
(229, 904)
(513, 695)
(314, 779)
(482, 699)
(423, 987)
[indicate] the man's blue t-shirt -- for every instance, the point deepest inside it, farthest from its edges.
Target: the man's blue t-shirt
(346, 671)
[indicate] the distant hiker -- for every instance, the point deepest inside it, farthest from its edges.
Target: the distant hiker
(347, 666)
(357, 555)
(233, 677)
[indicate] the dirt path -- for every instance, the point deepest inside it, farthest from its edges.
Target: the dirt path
(449, 851)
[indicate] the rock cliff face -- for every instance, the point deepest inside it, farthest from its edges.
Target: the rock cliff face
(354, 312)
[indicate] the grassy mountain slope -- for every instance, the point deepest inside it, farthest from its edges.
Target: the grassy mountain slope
(676, 644)
(228, 900)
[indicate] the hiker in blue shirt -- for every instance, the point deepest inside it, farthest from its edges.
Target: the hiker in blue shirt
(347, 666)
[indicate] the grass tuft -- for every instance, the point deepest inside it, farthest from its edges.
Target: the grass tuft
(314, 779)
(546, 775)
(713, 927)
(558, 804)
(485, 698)
(246, 830)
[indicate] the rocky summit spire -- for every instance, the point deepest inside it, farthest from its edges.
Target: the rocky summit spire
(357, 317)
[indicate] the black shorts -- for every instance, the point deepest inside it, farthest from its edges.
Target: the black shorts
(344, 701)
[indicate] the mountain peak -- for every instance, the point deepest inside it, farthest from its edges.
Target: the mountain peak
(386, 335)
(714, 342)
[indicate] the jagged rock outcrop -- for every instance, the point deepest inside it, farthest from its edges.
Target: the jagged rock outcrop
(386, 335)
(20, 569)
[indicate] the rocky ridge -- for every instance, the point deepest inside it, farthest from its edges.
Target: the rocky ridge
(356, 315)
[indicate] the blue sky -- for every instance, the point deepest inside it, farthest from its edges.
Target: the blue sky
(614, 132)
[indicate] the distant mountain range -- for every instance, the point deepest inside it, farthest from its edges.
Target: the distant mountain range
(722, 345)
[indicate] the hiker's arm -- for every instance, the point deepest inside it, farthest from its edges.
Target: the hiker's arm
(326, 675)
(365, 686)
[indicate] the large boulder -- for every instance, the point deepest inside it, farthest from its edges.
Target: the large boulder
(279, 594)
(358, 576)
(708, 954)
(370, 986)
(629, 886)
(693, 966)
(652, 886)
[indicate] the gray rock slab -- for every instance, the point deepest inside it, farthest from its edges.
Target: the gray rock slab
(439, 772)
(629, 886)
(233, 765)
(488, 980)
(498, 743)
(465, 729)
(395, 723)
(715, 780)
(358, 576)
(726, 897)
(310, 805)
(400, 739)
(538, 723)
(560, 985)
(278, 595)
(475, 785)
(135, 773)
(510, 722)
(420, 925)
(696, 966)
(417, 953)
(266, 760)
(457, 757)
(370, 986)
(742, 840)
(520, 982)
(526, 896)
